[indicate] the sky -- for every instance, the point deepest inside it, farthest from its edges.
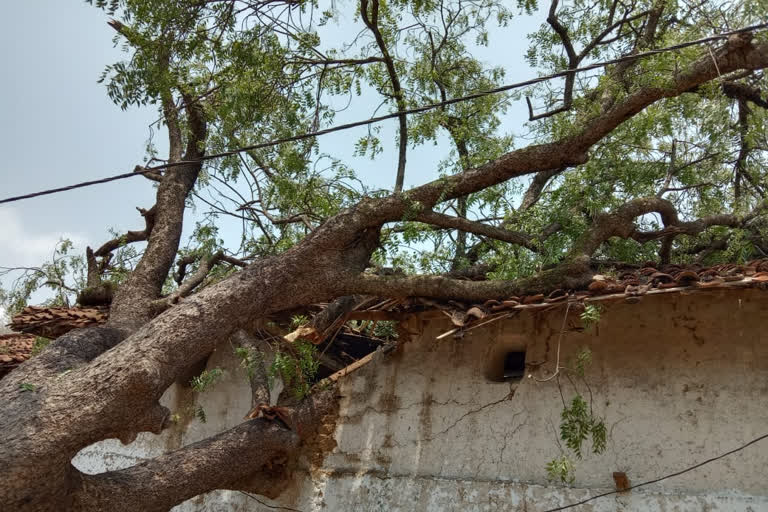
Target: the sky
(59, 127)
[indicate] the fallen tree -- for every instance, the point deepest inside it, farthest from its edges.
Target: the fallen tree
(105, 382)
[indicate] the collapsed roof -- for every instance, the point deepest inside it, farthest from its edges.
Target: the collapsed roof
(341, 345)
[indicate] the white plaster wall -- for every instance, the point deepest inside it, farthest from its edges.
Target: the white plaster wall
(225, 404)
(678, 379)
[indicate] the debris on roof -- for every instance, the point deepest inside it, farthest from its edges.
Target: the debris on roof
(54, 322)
(626, 283)
(621, 282)
(15, 348)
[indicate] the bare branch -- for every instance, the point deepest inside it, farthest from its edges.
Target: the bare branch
(371, 20)
(573, 62)
(130, 236)
(155, 176)
(328, 62)
(468, 226)
(188, 286)
(574, 59)
(540, 180)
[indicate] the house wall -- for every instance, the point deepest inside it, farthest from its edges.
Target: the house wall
(677, 378)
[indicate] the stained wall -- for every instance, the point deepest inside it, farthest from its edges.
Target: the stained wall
(677, 379)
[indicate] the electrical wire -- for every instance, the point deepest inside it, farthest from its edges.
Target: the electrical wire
(373, 120)
(656, 480)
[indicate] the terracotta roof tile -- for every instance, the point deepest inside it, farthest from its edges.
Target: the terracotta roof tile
(53, 322)
(15, 348)
(627, 283)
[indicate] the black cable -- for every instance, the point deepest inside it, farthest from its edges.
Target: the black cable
(415, 110)
(649, 482)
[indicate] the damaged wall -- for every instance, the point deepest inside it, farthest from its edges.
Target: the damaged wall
(677, 378)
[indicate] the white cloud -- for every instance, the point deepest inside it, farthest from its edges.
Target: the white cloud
(20, 247)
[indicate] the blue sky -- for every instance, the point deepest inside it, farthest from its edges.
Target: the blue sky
(59, 127)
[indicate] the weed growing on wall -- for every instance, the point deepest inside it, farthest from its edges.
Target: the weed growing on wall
(590, 316)
(296, 370)
(202, 383)
(206, 380)
(249, 360)
(578, 422)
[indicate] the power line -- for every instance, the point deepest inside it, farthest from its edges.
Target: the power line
(393, 115)
(79, 185)
(649, 482)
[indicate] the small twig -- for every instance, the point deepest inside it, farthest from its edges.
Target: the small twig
(559, 340)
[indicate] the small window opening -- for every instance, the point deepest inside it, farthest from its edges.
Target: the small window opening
(514, 365)
(505, 359)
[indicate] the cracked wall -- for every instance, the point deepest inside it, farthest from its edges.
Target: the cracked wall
(677, 378)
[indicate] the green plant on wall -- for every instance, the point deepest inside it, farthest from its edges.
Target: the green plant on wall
(561, 469)
(189, 412)
(590, 316)
(249, 360)
(296, 370)
(199, 413)
(202, 383)
(578, 422)
(206, 379)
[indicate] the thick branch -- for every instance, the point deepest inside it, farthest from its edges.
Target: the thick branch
(132, 304)
(738, 53)
(573, 274)
(478, 228)
(744, 92)
(621, 223)
(220, 462)
(214, 463)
